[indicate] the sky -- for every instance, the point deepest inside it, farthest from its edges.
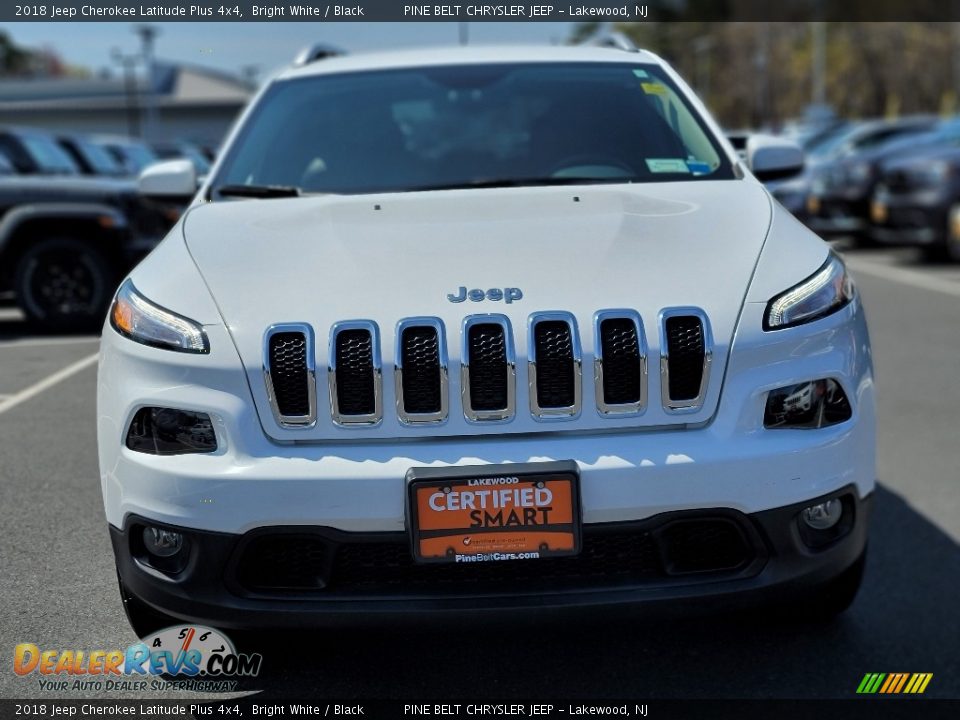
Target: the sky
(231, 46)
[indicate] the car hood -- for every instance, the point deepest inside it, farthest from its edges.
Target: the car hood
(66, 188)
(327, 259)
(945, 152)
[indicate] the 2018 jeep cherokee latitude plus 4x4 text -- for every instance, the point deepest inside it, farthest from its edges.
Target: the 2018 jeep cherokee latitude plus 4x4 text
(483, 329)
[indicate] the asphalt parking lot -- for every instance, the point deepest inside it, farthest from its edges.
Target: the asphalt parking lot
(60, 589)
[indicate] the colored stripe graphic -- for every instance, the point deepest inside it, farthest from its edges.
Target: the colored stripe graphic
(894, 683)
(903, 681)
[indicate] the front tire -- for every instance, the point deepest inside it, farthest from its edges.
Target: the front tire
(63, 284)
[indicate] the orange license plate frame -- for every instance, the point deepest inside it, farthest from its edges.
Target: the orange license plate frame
(517, 512)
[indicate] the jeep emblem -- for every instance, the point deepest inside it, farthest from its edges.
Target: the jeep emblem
(508, 295)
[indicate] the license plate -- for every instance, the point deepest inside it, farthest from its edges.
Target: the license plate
(878, 212)
(477, 514)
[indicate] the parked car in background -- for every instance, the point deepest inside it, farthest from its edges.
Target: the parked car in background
(65, 241)
(842, 185)
(35, 152)
(91, 158)
(917, 202)
(134, 155)
(178, 149)
(792, 192)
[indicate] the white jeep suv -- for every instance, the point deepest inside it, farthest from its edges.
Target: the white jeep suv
(483, 330)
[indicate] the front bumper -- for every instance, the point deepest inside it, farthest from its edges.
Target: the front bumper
(632, 481)
(905, 221)
(365, 577)
(831, 216)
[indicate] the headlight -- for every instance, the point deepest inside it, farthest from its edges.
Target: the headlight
(824, 292)
(929, 174)
(135, 317)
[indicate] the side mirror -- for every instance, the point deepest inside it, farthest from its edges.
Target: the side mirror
(171, 179)
(773, 158)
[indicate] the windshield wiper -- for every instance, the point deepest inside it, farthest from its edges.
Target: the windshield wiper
(258, 191)
(523, 182)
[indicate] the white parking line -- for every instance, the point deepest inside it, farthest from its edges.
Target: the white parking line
(40, 342)
(904, 276)
(13, 400)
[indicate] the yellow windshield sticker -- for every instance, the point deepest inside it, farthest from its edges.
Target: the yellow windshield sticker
(653, 88)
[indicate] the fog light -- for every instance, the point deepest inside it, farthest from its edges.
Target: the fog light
(823, 516)
(162, 543)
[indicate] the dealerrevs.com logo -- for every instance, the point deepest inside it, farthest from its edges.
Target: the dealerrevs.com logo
(187, 656)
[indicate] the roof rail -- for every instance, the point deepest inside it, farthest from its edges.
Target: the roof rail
(614, 39)
(317, 51)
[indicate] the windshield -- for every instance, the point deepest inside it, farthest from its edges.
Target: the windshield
(134, 156)
(470, 126)
(99, 159)
(49, 157)
(821, 143)
(198, 159)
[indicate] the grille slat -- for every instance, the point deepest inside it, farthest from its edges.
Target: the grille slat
(686, 354)
(355, 387)
(553, 345)
(421, 371)
(289, 370)
(420, 353)
(622, 362)
(488, 367)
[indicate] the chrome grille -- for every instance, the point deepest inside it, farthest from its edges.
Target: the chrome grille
(356, 392)
(488, 369)
(685, 359)
(290, 374)
(554, 365)
(421, 371)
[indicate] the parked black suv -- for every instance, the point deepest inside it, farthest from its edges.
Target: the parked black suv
(841, 186)
(917, 202)
(65, 242)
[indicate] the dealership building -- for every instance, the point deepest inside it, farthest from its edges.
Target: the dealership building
(178, 102)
